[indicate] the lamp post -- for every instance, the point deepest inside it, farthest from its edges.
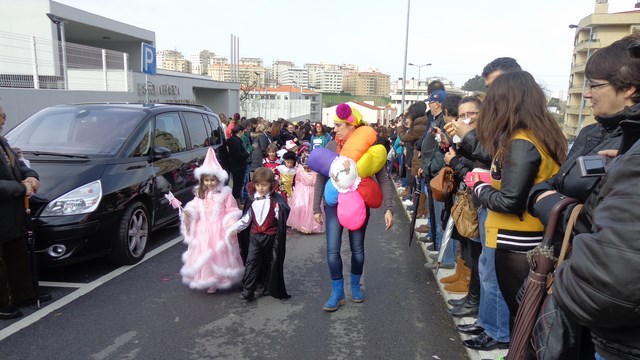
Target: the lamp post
(419, 68)
(259, 99)
(62, 39)
(406, 47)
(584, 74)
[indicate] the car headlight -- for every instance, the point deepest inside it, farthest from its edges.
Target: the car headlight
(82, 200)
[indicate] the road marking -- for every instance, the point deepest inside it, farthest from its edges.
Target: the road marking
(82, 290)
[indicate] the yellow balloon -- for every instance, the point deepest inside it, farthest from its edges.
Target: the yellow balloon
(372, 161)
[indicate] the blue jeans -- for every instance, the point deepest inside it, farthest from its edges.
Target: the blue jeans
(599, 357)
(334, 243)
(493, 314)
(247, 177)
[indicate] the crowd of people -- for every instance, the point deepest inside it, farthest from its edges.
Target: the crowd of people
(508, 150)
(501, 148)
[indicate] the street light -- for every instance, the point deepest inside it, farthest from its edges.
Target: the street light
(584, 74)
(419, 68)
(259, 97)
(61, 38)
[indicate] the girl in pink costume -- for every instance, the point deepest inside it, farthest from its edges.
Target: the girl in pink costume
(212, 260)
(301, 202)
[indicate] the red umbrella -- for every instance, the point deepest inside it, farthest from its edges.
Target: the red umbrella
(541, 264)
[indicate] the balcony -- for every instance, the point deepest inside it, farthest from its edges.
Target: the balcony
(575, 110)
(578, 67)
(585, 45)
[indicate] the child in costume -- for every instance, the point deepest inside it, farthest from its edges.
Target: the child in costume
(271, 161)
(212, 260)
(287, 173)
(263, 237)
(301, 203)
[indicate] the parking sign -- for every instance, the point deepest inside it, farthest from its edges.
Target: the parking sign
(148, 59)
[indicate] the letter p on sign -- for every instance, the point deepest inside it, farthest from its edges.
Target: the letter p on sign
(148, 59)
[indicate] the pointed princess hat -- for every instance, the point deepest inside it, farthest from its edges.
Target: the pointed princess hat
(211, 166)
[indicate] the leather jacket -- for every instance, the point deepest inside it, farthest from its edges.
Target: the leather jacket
(599, 285)
(605, 134)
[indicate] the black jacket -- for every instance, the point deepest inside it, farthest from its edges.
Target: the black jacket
(599, 285)
(238, 156)
(432, 157)
(12, 193)
(606, 134)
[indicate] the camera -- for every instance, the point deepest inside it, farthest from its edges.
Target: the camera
(593, 165)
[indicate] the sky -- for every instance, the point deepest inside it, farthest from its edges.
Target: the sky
(458, 37)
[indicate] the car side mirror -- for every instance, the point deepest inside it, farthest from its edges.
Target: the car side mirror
(160, 152)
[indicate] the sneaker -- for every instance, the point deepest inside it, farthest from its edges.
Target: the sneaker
(424, 228)
(407, 202)
(425, 239)
(434, 255)
(431, 247)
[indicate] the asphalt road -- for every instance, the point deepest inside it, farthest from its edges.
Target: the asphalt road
(145, 312)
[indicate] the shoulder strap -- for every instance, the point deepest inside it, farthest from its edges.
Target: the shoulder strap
(566, 241)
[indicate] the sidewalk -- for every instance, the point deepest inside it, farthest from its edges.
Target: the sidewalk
(473, 354)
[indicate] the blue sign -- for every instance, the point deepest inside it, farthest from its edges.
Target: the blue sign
(148, 59)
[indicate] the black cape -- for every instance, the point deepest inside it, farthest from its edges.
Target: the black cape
(274, 271)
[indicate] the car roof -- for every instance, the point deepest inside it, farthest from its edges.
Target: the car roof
(150, 107)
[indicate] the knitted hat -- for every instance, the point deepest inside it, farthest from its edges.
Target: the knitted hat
(349, 115)
(211, 166)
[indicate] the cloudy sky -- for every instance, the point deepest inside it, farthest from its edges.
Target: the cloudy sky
(458, 37)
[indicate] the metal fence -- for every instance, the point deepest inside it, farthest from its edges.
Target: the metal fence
(31, 62)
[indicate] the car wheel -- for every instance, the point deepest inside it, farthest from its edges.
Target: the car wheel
(132, 236)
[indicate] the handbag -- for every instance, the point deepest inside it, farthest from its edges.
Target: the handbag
(465, 214)
(442, 184)
(555, 335)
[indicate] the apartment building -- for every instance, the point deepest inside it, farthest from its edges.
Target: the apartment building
(200, 61)
(278, 67)
(367, 84)
(173, 60)
(593, 32)
(295, 76)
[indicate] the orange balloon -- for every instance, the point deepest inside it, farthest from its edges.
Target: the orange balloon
(359, 142)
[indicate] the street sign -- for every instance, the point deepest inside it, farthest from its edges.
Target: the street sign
(148, 59)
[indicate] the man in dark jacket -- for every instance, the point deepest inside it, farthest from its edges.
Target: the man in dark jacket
(16, 182)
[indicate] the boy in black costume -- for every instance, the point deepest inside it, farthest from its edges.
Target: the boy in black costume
(263, 237)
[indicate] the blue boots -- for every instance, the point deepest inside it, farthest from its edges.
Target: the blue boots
(356, 294)
(337, 296)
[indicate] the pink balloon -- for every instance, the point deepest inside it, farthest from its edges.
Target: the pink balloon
(351, 210)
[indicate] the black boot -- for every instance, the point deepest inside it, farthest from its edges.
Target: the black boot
(468, 308)
(457, 302)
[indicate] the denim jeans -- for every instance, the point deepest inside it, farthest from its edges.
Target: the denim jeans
(493, 314)
(247, 177)
(334, 243)
(599, 357)
(452, 247)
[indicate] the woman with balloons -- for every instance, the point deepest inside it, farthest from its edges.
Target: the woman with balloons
(346, 170)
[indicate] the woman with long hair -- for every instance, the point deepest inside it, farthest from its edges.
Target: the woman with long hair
(527, 147)
(320, 138)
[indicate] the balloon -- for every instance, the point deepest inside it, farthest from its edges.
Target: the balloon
(330, 194)
(370, 192)
(351, 210)
(344, 174)
(372, 161)
(320, 160)
(359, 142)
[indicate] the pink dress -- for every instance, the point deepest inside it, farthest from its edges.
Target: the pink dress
(212, 260)
(301, 203)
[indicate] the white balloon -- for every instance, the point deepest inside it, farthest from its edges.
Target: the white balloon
(344, 174)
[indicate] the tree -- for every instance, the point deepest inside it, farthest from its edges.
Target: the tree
(476, 83)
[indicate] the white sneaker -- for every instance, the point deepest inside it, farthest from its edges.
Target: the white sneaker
(407, 202)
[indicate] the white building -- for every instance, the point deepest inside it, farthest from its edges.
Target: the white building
(200, 61)
(370, 113)
(278, 67)
(295, 76)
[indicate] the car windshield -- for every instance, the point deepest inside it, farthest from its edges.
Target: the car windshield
(71, 130)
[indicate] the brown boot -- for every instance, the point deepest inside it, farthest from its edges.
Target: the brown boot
(424, 228)
(424, 206)
(404, 192)
(456, 276)
(461, 286)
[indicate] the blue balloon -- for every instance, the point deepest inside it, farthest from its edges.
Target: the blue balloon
(330, 193)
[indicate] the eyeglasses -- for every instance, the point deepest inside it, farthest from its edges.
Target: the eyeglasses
(468, 114)
(594, 86)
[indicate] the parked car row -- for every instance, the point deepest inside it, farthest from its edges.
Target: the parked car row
(104, 170)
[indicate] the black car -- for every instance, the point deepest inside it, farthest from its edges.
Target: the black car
(104, 170)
